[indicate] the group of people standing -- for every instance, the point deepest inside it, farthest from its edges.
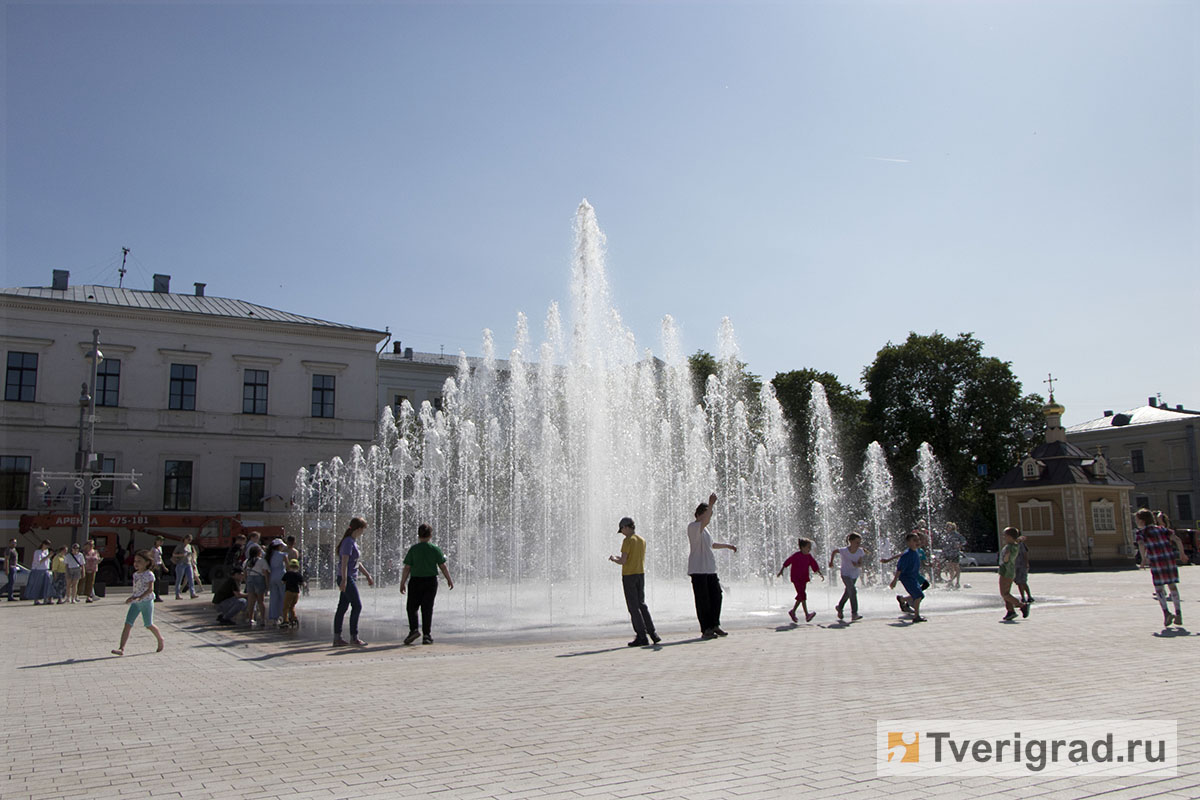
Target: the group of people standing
(65, 574)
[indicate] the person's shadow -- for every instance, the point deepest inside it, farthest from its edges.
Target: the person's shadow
(70, 661)
(1173, 633)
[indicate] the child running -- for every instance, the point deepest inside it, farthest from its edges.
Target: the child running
(908, 572)
(141, 600)
(801, 563)
(853, 555)
(1158, 547)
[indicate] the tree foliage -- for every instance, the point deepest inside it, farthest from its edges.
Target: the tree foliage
(794, 391)
(703, 364)
(968, 406)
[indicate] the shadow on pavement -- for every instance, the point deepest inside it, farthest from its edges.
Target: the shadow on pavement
(68, 662)
(1173, 633)
(658, 646)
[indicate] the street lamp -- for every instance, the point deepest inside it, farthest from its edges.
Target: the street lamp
(87, 476)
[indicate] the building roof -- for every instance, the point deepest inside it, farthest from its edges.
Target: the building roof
(202, 305)
(1143, 415)
(1065, 465)
(447, 360)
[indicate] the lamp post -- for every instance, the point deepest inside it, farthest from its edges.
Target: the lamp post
(87, 476)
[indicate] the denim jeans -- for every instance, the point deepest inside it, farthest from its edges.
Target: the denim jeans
(348, 599)
(182, 571)
(8, 587)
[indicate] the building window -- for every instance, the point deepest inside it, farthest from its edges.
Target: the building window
(252, 483)
(183, 387)
(322, 396)
(1103, 518)
(1137, 461)
(437, 403)
(254, 391)
(1183, 507)
(14, 482)
(177, 486)
(1030, 469)
(21, 381)
(102, 500)
(108, 382)
(398, 401)
(1036, 518)
(1141, 501)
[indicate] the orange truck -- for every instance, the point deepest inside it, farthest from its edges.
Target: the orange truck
(212, 534)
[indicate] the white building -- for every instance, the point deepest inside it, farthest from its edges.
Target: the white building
(217, 401)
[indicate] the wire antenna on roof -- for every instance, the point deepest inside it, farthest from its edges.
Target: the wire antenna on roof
(122, 270)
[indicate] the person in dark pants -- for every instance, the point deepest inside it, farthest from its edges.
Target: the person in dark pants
(421, 565)
(702, 567)
(349, 566)
(10, 569)
(633, 580)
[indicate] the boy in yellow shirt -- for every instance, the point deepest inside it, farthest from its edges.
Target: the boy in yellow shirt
(633, 579)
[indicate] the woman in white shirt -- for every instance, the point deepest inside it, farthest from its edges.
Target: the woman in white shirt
(40, 588)
(185, 560)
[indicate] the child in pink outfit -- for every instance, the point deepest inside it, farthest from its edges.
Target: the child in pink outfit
(802, 564)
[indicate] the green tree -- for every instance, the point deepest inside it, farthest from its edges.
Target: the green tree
(794, 390)
(703, 364)
(968, 406)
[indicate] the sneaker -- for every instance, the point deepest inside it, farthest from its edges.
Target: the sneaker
(1025, 611)
(717, 630)
(855, 617)
(919, 619)
(792, 614)
(1030, 600)
(708, 634)
(1179, 619)
(640, 641)
(177, 597)
(904, 606)
(654, 637)
(90, 600)
(1168, 618)
(283, 626)
(809, 616)
(426, 640)
(412, 637)
(337, 642)
(1009, 617)
(839, 610)
(358, 643)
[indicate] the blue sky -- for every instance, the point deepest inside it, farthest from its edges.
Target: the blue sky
(829, 175)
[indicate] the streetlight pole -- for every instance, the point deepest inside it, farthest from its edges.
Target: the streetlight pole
(87, 439)
(88, 474)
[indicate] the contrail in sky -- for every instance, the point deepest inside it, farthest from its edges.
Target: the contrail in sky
(893, 160)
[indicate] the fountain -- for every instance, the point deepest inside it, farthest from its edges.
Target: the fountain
(525, 471)
(879, 493)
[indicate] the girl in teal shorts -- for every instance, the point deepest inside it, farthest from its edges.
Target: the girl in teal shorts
(141, 601)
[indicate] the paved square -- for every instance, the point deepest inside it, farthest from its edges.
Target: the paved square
(769, 712)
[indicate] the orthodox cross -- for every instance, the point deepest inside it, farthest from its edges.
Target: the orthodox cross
(1050, 380)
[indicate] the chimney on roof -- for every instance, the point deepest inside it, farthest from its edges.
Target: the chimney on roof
(1151, 402)
(199, 289)
(61, 276)
(1108, 413)
(396, 348)
(1179, 406)
(408, 353)
(162, 284)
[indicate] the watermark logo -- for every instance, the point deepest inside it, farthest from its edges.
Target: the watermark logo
(1009, 747)
(904, 747)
